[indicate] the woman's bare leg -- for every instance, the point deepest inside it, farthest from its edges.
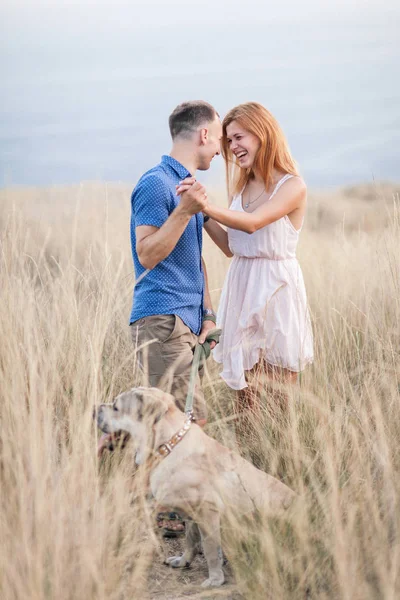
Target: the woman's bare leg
(247, 401)
(280, 375)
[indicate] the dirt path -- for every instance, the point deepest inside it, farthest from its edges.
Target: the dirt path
(165, 583)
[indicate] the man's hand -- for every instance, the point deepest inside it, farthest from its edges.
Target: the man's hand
(206, 327)
(193, 195)
(189, 188)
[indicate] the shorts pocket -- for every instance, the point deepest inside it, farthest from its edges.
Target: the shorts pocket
(160, 327)
(170, 327)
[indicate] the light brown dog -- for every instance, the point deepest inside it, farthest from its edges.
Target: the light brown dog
(191, 473)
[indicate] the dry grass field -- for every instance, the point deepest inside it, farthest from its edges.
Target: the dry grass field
(74, 529)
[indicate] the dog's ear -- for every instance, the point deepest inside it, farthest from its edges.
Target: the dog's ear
(142, 448)
(152, 404)
(146, 406)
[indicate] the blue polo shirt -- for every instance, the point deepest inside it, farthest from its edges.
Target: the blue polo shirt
(176, 284)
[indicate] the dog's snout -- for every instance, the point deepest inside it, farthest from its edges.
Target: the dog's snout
(98, 412)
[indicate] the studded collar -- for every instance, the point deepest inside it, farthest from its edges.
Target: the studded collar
(164, 449)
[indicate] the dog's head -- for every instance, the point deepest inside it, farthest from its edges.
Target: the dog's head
(135, 412)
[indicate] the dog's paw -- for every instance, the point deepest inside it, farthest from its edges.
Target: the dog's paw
(214, 580)
(177, 562)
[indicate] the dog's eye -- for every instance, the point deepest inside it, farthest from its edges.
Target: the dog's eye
(115, 408)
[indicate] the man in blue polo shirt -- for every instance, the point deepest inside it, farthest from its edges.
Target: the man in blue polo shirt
(172, 308)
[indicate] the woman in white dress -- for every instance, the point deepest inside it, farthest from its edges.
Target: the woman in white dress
(263, 308)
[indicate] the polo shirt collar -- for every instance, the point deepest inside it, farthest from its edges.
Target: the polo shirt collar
(177, 166)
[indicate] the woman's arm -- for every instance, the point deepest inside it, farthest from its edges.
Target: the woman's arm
(218, 235)
(291, 196)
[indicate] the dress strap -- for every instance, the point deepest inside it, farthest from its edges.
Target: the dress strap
(235, 198)
(281, 182)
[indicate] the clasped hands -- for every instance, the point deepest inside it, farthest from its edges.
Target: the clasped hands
(193, 195)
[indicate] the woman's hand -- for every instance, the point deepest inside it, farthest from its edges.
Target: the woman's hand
(185, 185)
(214, 230)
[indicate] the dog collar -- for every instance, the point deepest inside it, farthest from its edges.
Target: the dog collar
(167, 447)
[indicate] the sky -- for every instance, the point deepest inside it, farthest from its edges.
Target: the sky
(35, 17)
(84, 82)
(33, 29)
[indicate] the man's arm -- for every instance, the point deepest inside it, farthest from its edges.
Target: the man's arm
(153, 244)
(207, 325)
(207, 297)
(219, 236)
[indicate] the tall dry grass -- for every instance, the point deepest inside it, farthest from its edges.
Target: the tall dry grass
(71, 528)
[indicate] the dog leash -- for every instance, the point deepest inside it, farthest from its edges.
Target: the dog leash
(201, 353)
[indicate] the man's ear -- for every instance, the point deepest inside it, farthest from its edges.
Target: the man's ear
(203, 136)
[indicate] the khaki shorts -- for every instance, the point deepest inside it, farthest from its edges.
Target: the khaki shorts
(165, 348)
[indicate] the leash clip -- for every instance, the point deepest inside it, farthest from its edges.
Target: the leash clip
(189, 414)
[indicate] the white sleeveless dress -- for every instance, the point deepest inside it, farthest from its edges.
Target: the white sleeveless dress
(263, 309)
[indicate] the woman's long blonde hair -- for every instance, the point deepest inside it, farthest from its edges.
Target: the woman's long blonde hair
(273, 153)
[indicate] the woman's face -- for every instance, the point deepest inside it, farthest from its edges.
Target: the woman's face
(243, 144)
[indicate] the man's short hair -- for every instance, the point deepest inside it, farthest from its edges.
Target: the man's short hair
(189, 116)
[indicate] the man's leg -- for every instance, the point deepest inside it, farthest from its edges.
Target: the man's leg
(165, 355)
(148, 336)
(179, 356)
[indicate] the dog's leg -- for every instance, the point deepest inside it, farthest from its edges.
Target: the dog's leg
(154, 509)
(191, 549)
(211, 539)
